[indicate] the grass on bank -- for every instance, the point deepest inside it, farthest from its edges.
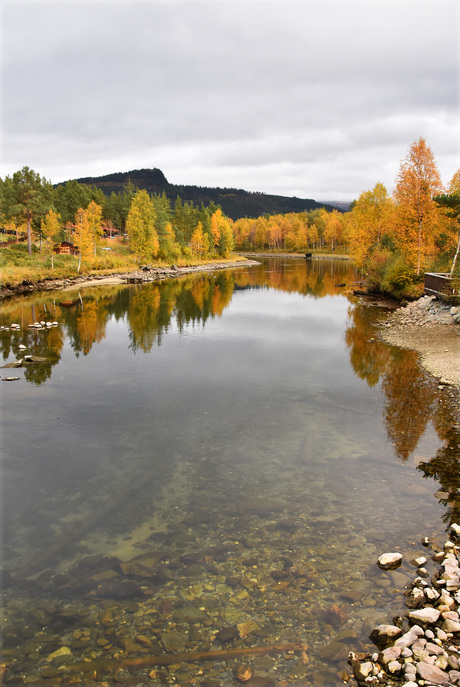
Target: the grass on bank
(17, 266)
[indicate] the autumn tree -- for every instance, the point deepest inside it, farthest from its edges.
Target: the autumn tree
(27, 197)
(226, 240)
(368, 222)
(51, 229)
(94, 215)
(199, 242)
(333, 229)
(451, 204)
(417, 183)
(140, 226)
(83, 239)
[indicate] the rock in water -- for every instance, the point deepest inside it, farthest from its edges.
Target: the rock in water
(389, 561)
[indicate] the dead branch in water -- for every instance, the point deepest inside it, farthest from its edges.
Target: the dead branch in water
(167, 659)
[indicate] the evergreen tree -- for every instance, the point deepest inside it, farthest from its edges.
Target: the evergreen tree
(27, 197)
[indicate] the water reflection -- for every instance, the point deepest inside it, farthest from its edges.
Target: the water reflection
(410, 393)
(198, 465)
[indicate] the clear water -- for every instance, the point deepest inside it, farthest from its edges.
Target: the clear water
(246, 434)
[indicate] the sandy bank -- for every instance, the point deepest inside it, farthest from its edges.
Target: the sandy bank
(429, 327)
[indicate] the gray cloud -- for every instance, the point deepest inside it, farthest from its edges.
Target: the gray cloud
(316, 99)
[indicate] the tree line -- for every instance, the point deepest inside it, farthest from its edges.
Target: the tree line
(392, 238)
(81, 214)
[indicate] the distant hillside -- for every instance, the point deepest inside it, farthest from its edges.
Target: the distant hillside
(235, 203)
(339, 204)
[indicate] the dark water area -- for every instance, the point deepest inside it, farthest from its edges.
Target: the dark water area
(212, 463)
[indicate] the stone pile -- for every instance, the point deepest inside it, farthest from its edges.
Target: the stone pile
(424, 647)
(426, 311)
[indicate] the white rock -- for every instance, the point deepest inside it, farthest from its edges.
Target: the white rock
(455, 529)
(389, 561)
(407, 639)
(394, 667)
(425, 615)
(363, 670)
(451, 626)
(420, 561)
(431, 594)
(392, 653)
(432, 674)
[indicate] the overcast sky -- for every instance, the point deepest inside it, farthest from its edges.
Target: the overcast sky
(318, 99)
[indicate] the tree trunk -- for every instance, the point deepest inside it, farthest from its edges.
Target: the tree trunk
(29, 235)
(455, 257)
(419, 256)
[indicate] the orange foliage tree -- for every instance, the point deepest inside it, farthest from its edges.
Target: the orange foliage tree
(418, 216)
(370, 219)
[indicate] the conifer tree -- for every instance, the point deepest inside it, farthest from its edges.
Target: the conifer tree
(26, 198)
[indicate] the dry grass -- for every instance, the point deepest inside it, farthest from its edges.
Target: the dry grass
(17, 266)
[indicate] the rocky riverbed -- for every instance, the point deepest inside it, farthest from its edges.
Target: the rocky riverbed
(422, 648)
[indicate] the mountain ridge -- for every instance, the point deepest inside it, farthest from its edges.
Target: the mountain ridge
(235, 203)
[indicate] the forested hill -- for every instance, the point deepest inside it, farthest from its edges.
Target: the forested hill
(235, 203)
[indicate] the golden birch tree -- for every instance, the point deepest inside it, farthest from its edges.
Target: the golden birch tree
(370, 219)
(83, 236)
(418, 218)
(140, 227)
(50, 229)
(94, 215)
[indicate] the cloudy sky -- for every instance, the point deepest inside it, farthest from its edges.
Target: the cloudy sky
(313, 98)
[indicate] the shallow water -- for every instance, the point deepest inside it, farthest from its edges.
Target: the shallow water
(244, 433)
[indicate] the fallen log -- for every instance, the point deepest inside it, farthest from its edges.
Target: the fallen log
(190, 657)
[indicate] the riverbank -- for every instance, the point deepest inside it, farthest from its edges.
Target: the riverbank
(301, 256)
(432, 328)
(423, 647)
(138, 276)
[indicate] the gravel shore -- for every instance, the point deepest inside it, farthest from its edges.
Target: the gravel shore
(432, 328)
(424, 647)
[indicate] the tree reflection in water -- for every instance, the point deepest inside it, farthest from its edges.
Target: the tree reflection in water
(412, 400)
(411, 396)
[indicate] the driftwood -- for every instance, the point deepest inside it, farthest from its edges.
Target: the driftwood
(191, 657)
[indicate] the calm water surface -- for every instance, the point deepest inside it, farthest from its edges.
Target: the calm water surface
(212, 462)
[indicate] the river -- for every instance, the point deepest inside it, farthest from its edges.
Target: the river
(213, 462)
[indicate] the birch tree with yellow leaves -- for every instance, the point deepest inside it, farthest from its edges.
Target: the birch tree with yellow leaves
(418, 216)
